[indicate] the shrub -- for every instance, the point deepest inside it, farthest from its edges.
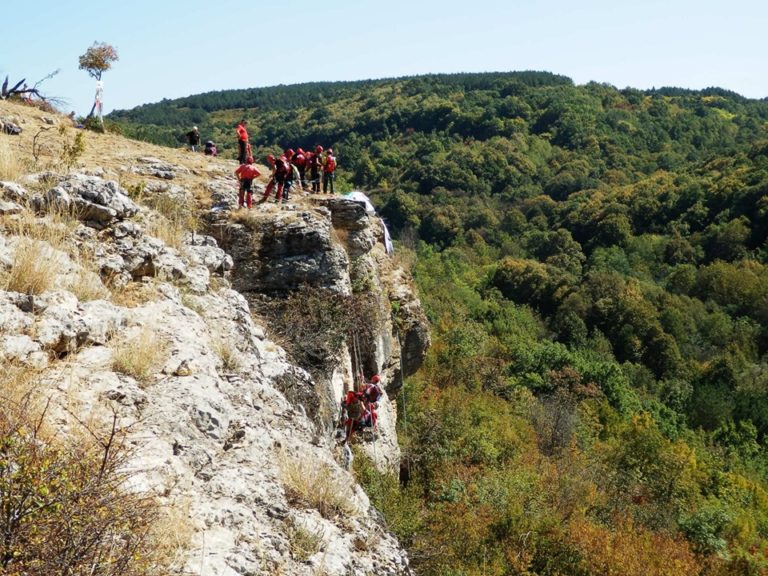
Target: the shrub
(305, 543)
(67, 507)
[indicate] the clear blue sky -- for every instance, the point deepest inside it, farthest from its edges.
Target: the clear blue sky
(173, 48)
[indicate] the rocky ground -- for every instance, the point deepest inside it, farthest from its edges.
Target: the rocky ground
(130, 251)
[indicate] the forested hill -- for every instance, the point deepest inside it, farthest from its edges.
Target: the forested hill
(594, 264)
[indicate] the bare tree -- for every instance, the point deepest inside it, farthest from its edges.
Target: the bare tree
(21, 89)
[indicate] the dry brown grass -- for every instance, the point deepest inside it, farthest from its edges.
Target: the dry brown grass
(228, 353)
(304, 542)
(171, 536)
(88, 286)
(139, 356)
(17, 382)
(133, 294)
(12, 167)
(34, 269)
(56, 227)
(174, 219)
(316, 487)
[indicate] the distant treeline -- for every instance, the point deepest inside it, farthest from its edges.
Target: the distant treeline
(594, 264)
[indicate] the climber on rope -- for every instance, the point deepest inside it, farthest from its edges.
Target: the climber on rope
(372, 391)
(353, 413)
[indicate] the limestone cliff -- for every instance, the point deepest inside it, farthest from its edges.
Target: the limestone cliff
(231, 428)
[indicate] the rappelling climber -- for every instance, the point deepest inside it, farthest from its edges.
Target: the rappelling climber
(372, 391)
(353, 413)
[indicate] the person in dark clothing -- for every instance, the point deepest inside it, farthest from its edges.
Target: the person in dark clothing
(329, 170)
(315, 169)
(193, 139)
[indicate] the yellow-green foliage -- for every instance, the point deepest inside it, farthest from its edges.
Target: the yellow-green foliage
(71, 151)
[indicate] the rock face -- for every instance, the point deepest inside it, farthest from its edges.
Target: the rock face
(229, 431)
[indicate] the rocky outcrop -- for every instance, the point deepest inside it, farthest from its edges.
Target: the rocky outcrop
(228, 429)
(336, 245)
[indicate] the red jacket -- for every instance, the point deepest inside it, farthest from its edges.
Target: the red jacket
(247, 171)
(242, 133)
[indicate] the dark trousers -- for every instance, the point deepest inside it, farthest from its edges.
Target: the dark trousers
(327, 177)
(315, 176)
(241, 154)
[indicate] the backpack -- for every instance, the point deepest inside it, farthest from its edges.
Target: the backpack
(373, 393)
(330, 164)
(353, 403)
(281, 167)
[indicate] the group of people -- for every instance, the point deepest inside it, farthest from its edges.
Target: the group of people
(358, 407)
(289, 168)
(193, 140)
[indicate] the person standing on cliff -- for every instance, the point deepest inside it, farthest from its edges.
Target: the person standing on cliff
(245, 173)
(243, 144)
(315, 168)
(329, 170)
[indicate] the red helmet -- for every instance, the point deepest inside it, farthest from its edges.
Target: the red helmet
(330, 150)
(249, 160)
(299, 151)
(375, 379)
(270, 158)
(318, 148)
(289, 153)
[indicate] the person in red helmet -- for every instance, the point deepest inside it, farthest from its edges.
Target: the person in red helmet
(309, 158)
(243, 144)
(329, 170)
(245, 173)
(271, 183)
(300, 161)
(315, 169)
(353, 413)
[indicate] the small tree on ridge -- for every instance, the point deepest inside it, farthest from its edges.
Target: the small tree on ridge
(97, 60)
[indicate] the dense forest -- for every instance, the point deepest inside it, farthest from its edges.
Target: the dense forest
(594, 265)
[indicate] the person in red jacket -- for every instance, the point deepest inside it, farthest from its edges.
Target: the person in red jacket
(329, 169)
(245, 173)
(354, 412)
(300, 161)
(280, 172)
(243, 144)
(271, 183)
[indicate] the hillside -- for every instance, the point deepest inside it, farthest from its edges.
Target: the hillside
(593, 263)
(170, 379)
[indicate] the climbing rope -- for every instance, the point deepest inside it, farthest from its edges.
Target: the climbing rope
(407, 454)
